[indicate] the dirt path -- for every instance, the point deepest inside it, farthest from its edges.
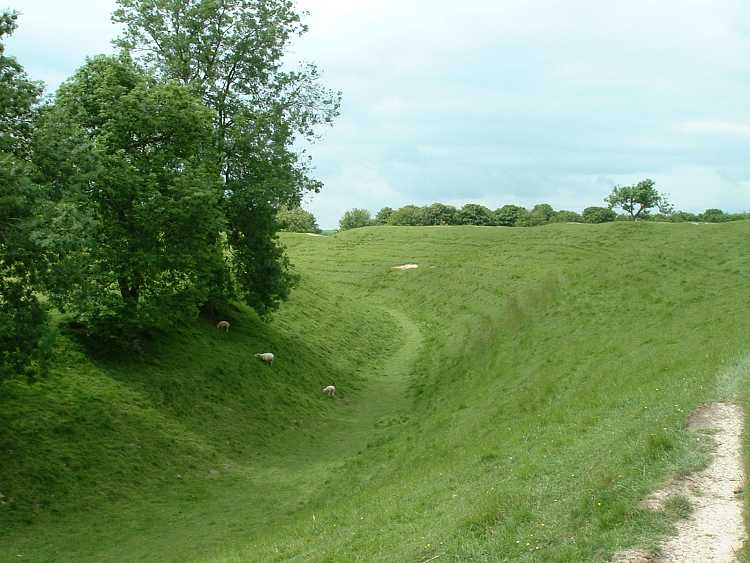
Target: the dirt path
(715, 530)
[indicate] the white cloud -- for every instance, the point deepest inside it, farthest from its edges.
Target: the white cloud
(499, 101)
(54, 38)
(700, 188)
(360, 185)
(730, 128)
(695, 188)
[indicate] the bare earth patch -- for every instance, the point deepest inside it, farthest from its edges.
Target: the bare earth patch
(406, 267)
(632, 556)
(714, 531)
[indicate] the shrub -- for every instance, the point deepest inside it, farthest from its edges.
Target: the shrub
(714, 216)
(407, 215)
(354, 219)
(564, 216)
(439, 214)
(541, 214)
(297, 220)
(475, 214)
(684, 216)
(598, 215)
(383, 216)
(511, 216)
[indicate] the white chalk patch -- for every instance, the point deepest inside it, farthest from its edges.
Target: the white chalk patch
(406, 267)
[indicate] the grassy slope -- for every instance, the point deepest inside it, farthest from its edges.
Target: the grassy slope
(558, 368)
(107, 450)
(550, 372)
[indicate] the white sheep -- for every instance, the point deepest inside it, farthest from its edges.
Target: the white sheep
(266, 357)
(223, 324)
(330, 390)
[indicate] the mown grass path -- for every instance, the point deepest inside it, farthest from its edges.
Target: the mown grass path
(358, 418)
(385, 394)
(309, 472)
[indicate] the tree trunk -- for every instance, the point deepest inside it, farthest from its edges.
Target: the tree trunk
(130, 293)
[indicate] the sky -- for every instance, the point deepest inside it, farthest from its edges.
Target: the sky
(496, 101)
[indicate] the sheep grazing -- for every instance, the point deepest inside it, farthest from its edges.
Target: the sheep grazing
(266, 357)
(330, 390)
(223, 324)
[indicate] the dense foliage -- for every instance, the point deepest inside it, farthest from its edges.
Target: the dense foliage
(134, 225)
(541, 214)
(638, 200)
(564, 216)
(382, 216)
(25, 336)
(407, 215)
(231, 52)
(24, 333)
(596, 214)
(511, 216)
(149, 187)
(469, 214)
(297, 220)
(158, 174)
(475, 214)
(354, 219)
(18, 95)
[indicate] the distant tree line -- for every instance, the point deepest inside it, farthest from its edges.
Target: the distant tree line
(472, 214)
(636, 202)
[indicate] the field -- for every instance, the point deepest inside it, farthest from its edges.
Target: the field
(511, 399)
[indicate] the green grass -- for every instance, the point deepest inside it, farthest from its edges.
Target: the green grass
(511, 400)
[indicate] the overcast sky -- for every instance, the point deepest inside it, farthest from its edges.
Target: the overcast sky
(498, 101)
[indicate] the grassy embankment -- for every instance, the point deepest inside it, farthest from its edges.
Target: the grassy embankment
(511, 399)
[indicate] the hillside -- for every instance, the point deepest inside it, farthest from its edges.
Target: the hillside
(513, 398)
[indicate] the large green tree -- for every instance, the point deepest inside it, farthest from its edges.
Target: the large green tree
(134, 222)
(639, 199)
(24, 333)
(232, 53)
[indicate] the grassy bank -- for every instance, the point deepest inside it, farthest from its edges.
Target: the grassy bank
(513, 398)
